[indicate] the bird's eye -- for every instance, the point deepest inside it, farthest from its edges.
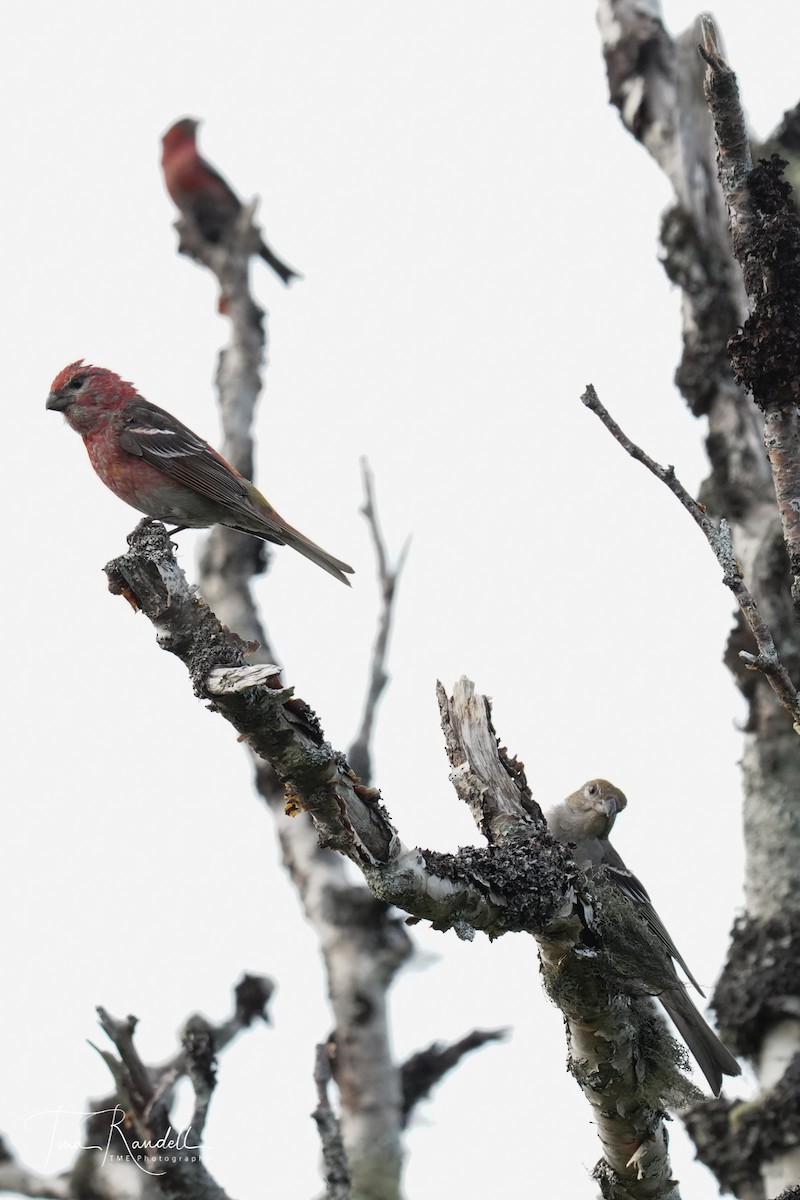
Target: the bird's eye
(592, 789)
(75, 384)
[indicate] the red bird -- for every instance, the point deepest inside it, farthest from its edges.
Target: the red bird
(201, 193)
(153, 462)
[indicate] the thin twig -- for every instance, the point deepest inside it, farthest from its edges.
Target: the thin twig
(767, 660)
(359, 755)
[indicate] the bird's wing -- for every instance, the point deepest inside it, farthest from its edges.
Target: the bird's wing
(213, 203)
(165, 442)
(635, 890)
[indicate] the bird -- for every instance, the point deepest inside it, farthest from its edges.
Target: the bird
(200, 192)
(154, 462)
(584, 821)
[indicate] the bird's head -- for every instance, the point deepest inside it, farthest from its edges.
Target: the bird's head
(182, 133)
(87, 395)
(598, 803)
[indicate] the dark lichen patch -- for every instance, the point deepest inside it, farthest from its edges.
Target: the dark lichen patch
(769, 1126)
(531, 878)
(734, 1139)
(765, 353)
(763, 964)
(700, 269)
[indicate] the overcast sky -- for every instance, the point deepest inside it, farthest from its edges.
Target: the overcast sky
(478, 237)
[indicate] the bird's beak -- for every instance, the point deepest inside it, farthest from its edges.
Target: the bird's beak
(57, 402)
(608, 805)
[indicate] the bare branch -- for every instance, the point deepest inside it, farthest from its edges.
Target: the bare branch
(422, 1071)
(364, 942)
(139, 1108)
(141, 1122)
(230, 559)
(337, 1172)
(18, 1179)
(388, 578)
(282, 730)
(767, 661)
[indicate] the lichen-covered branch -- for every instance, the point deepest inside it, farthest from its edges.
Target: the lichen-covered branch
(278, 727)
(523, 881)
(283, 731)
(230, 559)
(765, 354)
(765, 229)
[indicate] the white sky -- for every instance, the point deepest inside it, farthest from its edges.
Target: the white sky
(478, 239)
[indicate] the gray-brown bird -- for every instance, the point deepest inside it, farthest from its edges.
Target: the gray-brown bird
(586, 818)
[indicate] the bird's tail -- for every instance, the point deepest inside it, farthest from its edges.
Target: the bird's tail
(280, 268)
(259, 518)
(712, 1057)
(298, 541)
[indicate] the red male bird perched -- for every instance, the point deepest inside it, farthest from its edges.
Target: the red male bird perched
(153, 462)
(201, 193)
